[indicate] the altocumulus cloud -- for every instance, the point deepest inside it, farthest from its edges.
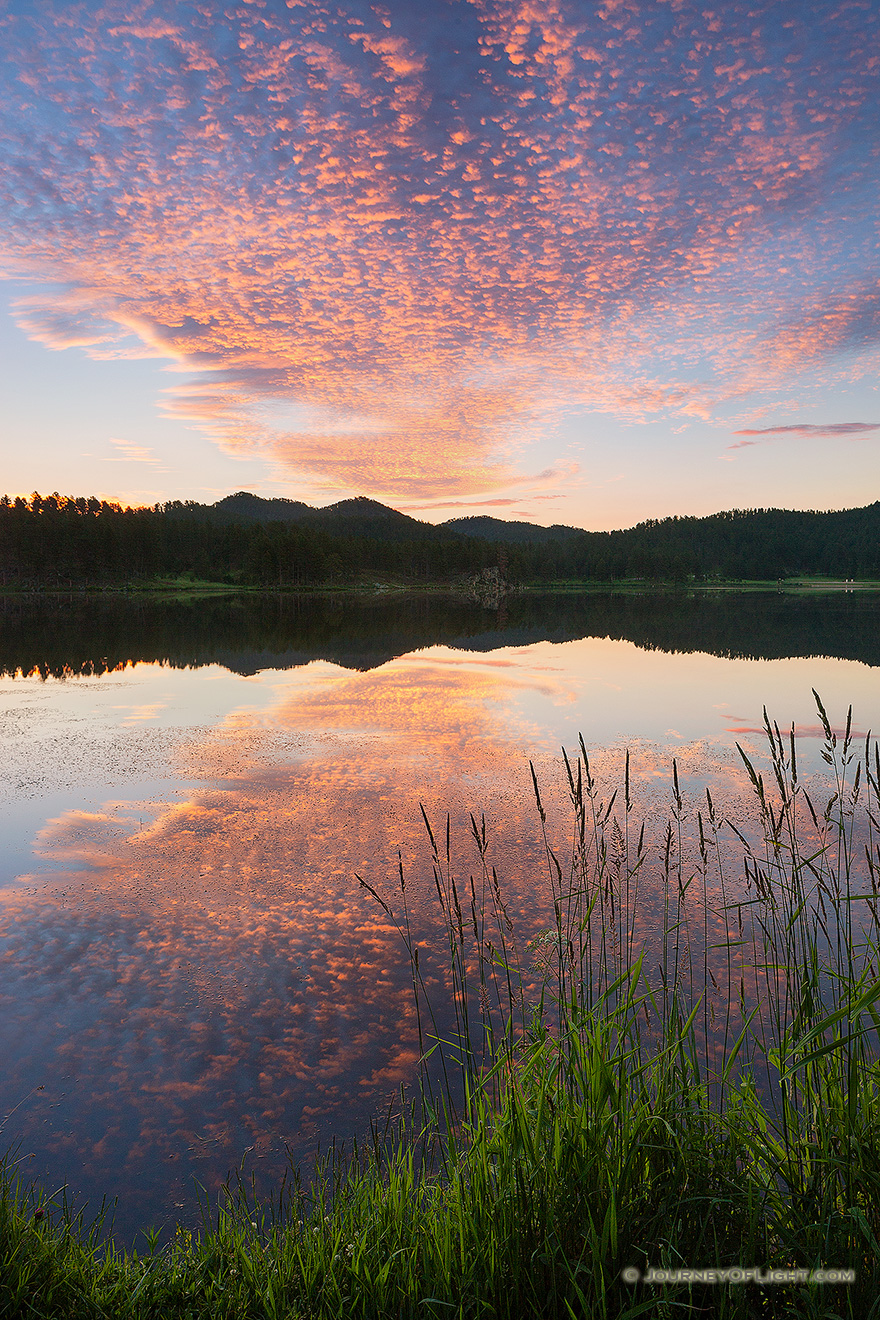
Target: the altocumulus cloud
(386, 243)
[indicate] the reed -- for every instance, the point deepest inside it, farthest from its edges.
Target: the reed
(680, 1072)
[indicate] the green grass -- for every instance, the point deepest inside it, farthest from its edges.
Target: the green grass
(680, 1072)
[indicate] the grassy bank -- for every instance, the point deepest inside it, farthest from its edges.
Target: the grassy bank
(680, 1073)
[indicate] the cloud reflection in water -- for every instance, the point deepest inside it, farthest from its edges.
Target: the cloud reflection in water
(213, 979)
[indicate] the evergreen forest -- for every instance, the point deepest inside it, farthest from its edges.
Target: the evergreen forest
(57, 542)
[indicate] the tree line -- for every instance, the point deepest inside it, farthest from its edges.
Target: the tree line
(58, 541)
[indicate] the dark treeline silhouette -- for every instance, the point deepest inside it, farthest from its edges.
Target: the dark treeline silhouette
(55, 541)
(504, 529)
(73, 635)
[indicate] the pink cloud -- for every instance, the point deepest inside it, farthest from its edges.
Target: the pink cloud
(499, 501)
(801, 731)
(152, 31)
(432, 237)
(832, 430)
(130, 453)
(464, 504)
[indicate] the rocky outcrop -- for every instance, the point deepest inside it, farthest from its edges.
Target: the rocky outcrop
(490, 587)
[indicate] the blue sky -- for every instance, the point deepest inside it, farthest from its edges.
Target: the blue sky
(587, 263)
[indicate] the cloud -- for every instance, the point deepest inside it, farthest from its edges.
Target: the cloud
(832, 430)
(800, 731)
(204, 973)
(68, 318)
(435, 234)
(499, 502)
(209, 970)
(129, 453)
(495, 502)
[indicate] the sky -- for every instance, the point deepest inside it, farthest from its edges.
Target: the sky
(581, 261)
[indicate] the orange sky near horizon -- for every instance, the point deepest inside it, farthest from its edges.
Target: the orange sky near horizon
(491, 255)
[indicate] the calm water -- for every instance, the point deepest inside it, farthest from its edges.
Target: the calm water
(192, 973)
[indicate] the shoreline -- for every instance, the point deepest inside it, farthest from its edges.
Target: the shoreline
(626, 586)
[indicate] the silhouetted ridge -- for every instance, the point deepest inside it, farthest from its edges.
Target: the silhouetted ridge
(499, 529)
(61, 541)
(245, 507)
(359, 516)
(365, 517)
(363, 507)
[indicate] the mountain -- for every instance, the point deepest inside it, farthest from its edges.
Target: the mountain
(60, 541)
(364, 508)
(498, 529)
(355, 517)
(245, 507)
(366, 517)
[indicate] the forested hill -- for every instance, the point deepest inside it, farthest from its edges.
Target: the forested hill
(357, 517)
(498, 529)
(59, 541)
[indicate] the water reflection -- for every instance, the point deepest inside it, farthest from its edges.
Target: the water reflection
(75, 634)
(194, 974)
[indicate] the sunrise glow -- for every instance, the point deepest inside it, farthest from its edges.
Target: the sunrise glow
(581, 263)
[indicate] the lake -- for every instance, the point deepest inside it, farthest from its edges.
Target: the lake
(194, 979)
